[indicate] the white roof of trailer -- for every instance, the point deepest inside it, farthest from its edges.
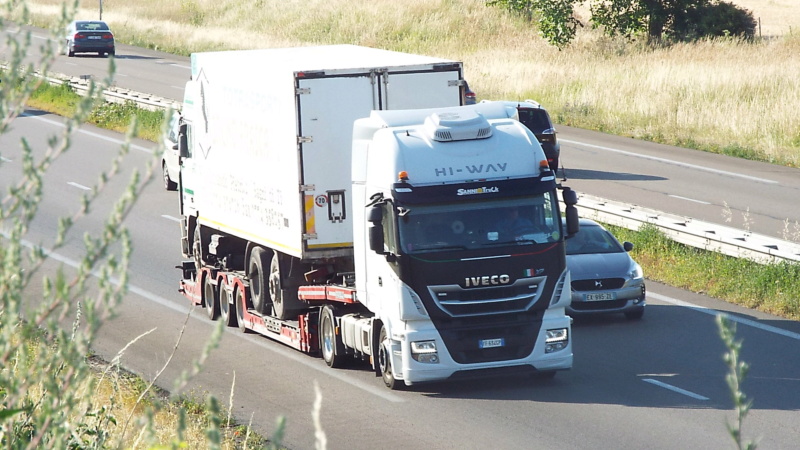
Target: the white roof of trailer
(318, 58)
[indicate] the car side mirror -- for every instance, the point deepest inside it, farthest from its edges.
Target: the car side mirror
(628, 246)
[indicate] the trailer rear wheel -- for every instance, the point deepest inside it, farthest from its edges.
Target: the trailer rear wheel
(239, 301)
(259, 279)
(225, 313)
(330, 342)
(281, 302)
(385, 361)
(210, 298)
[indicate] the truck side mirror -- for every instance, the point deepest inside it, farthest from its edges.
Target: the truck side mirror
(375, 219)
(571, 212)
(183, 141)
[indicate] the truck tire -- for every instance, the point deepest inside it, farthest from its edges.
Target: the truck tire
(225, 313)
(197, 249)
(330, 343)
(284, 303)
(210, 298)
(385, 362)
(239, 301)
(259, 279)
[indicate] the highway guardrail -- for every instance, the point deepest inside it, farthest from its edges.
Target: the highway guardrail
(692, 232)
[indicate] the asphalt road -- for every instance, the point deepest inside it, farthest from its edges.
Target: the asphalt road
(658, 382)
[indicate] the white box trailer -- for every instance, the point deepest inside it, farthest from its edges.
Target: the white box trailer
(271, 133)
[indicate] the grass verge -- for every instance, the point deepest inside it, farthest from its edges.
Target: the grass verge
(772, 288)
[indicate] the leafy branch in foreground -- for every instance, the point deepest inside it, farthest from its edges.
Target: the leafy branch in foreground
(737, 371)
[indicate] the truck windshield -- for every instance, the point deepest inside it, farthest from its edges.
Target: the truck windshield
(470, 225)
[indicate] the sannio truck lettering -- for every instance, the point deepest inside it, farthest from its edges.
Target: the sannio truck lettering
(482, 190)
(384, 259)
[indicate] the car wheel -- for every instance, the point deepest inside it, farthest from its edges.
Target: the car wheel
(168, 183)
(70, 50)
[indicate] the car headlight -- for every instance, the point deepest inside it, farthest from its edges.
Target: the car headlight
(636, 271)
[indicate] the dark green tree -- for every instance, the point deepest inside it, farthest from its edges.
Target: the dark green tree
(658, 20)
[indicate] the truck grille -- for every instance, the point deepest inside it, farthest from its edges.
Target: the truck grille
(457, 301)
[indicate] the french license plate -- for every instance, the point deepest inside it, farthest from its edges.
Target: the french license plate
(600, 297)
(491, 343)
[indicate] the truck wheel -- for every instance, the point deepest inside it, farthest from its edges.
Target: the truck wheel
(330, 343)
(239, 301)
(197, 249)
(283, 306)
(210, 298)
(225, 307)
(168, 183)
(385, 361)
(259, 279)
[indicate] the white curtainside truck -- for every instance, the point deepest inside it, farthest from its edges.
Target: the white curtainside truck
(340, 200)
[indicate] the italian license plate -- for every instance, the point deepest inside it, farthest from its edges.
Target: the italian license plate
(491, 343)
(600, 297)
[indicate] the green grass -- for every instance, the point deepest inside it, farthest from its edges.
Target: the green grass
(772, 288)
(62, 100)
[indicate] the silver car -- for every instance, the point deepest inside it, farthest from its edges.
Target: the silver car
(89, 36)
(605, 279)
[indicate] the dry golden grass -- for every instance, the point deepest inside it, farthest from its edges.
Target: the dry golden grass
(720, 96)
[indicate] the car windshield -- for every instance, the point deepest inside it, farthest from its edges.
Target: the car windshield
(470, 225)
(535, 119)
(593, 239)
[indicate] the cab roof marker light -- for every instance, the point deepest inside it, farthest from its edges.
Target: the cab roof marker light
(402, 176)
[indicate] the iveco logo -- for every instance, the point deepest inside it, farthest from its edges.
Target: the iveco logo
(488, 280)
(598, 284)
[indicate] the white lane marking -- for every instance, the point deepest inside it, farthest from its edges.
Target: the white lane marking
(670, 161)
(294, 355)
(4, 159)
(178, 87)
(689, 199)
(714, 312)
(89, 133)
(675, 389)
(79, 186)
(181, 66)
(168, 217)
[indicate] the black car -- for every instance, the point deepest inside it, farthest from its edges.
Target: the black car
(469, 95)
(533, 116)
(89, 36)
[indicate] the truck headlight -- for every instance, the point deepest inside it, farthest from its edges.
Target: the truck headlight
(425, 352)
(556, 340)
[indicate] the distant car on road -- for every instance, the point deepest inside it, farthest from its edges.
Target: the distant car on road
(605, 279)
(89, 36)
(169, 160)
